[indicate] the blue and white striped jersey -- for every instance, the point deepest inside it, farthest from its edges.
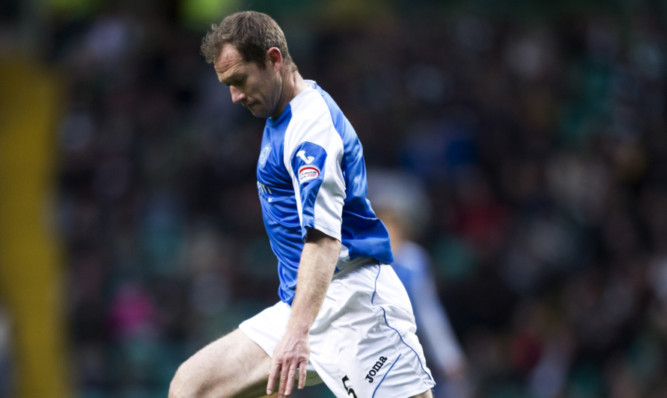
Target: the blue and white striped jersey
(311, 174)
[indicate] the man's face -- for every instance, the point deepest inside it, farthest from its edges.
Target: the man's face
(255, 88)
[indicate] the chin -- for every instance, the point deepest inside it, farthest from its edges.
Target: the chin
(261, 115)
(258, 111)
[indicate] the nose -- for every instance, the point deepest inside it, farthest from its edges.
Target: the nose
(237, 95)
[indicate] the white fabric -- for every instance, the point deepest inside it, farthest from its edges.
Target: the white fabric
(311, 121)
(362, 342)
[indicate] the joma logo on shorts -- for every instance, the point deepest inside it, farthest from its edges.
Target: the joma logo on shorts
(375, 369)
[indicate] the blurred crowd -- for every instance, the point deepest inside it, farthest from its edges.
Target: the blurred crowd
(539, 133)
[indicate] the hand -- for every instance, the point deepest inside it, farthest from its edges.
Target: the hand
(291, 354)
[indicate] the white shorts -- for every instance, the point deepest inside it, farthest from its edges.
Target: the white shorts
(363, 342)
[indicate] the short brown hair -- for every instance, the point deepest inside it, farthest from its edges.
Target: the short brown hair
(251, 32)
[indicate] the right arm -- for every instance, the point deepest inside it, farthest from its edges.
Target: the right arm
(318, 261)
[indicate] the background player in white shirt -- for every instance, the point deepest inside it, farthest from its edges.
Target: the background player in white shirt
(343, 314)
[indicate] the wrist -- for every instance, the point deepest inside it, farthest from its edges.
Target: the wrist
(298, 327)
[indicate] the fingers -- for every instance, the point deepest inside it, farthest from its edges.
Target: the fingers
(283, 375)
(283, 379)
(287, 375)
(302, 375)
(275, 368)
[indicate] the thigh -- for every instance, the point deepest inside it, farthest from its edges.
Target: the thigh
(232, 366)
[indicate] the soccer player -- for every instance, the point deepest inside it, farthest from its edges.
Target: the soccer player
(344, 317)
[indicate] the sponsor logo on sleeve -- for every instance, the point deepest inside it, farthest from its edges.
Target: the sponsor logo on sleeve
(307, 173)
(308, 162)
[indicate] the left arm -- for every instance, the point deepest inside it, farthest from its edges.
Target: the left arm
(316, 268)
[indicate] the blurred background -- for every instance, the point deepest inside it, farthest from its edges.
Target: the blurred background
(130, 232)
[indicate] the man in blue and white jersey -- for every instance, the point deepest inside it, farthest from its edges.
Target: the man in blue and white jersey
(344, 317)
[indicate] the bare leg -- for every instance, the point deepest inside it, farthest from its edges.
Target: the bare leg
(232, 366)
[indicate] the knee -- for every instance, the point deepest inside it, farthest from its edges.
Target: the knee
(177, 384)
(184, 384)
(194, 379)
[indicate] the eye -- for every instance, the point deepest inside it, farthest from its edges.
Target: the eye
(236, 81)
(239, 81)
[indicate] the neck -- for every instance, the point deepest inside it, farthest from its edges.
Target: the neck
(292, 85)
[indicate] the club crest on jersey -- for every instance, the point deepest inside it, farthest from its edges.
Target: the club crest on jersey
(264, 155)
(307, 173)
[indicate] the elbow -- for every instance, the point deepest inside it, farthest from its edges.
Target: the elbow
(326, 243)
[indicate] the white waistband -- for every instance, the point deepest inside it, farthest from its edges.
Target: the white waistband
(343, 266)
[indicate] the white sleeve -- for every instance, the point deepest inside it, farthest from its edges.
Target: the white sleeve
(313, 153)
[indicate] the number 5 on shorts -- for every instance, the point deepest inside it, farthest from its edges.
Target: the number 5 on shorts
(349, 390)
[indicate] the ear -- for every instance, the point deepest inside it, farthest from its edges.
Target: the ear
(275, 58)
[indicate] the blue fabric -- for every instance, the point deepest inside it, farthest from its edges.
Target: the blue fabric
(362, 234)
